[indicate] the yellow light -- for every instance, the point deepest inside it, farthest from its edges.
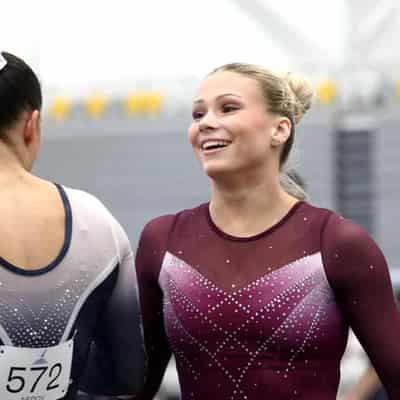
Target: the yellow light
(144, 103)
(59, 108)
(397, 88)
(327, 92)
(154, 102)
(96, 105)
(134, 104)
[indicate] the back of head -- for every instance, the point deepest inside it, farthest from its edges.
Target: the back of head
(289, 95)
(19, 90)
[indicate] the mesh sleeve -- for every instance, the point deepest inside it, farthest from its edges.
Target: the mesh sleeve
(116, 363)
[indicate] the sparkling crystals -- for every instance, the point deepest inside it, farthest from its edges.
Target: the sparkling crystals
(280, 313)
(31, 322)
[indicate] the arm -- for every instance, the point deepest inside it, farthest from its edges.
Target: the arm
(116, 362)
(149, 256)
(359, 276)
(123, 327)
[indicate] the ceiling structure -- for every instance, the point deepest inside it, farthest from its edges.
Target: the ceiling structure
(371, 29)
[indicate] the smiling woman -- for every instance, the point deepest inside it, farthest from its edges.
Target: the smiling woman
(254, 291)
(248, 109)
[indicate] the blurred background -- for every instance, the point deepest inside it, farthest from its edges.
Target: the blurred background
(118, 80)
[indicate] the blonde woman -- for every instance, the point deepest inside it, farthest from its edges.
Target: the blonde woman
(254, 290)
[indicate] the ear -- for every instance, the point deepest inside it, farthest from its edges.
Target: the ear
(32, 128)
(281, 132)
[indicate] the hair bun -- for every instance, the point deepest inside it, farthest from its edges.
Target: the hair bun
(304, 94)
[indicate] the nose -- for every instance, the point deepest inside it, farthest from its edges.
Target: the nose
(209, 121)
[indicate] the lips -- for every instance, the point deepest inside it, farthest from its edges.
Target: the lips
(214, 144)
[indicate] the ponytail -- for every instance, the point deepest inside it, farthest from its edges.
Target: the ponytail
(293, 184)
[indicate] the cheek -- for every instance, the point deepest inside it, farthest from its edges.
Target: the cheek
(192, 134)
(255, 133)
(254, 124)
(262, 133)
(260, 125)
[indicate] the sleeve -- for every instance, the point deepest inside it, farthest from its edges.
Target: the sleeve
(359, 276)
(116, 364)
(149, 256)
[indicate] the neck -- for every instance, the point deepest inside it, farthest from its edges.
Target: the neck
(248, 206)
(11, 165)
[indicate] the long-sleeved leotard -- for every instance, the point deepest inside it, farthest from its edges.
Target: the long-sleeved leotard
(86, 298)
(265, 316)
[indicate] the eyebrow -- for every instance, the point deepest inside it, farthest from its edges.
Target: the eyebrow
(218, 97)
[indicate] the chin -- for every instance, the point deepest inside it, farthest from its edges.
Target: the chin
(217, 169)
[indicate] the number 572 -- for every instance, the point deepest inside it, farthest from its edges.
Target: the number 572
(16, 381)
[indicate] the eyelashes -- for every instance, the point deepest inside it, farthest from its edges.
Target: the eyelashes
(224, 109)
(229, 108)
(196, 115)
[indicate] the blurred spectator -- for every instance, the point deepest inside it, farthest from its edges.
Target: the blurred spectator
(369, 386)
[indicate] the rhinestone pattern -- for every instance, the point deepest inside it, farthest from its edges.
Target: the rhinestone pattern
(31, 322)
(253, 336)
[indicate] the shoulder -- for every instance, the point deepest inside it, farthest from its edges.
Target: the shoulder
(92, 215)
(85, 199)
(87, 206)
(343, 234)
(311, 219)
(349, 252)
(158, 226)
(343, 231)
(310, 210)
(158, 229)
(156, 234)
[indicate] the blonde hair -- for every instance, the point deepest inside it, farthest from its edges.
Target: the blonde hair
(289, 95)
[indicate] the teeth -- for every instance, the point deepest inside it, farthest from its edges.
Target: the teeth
(214, 144)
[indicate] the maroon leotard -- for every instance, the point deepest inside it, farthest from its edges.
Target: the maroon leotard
(265, 316)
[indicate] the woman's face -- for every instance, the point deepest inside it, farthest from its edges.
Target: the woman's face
(231, 129)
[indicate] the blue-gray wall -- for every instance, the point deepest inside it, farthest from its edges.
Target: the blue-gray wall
(143, 168)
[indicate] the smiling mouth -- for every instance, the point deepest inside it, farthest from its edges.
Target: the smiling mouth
(210, 145)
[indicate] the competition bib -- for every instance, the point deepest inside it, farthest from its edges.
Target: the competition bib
(35, 374)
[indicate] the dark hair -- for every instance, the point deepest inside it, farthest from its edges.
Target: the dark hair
(19, 91)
